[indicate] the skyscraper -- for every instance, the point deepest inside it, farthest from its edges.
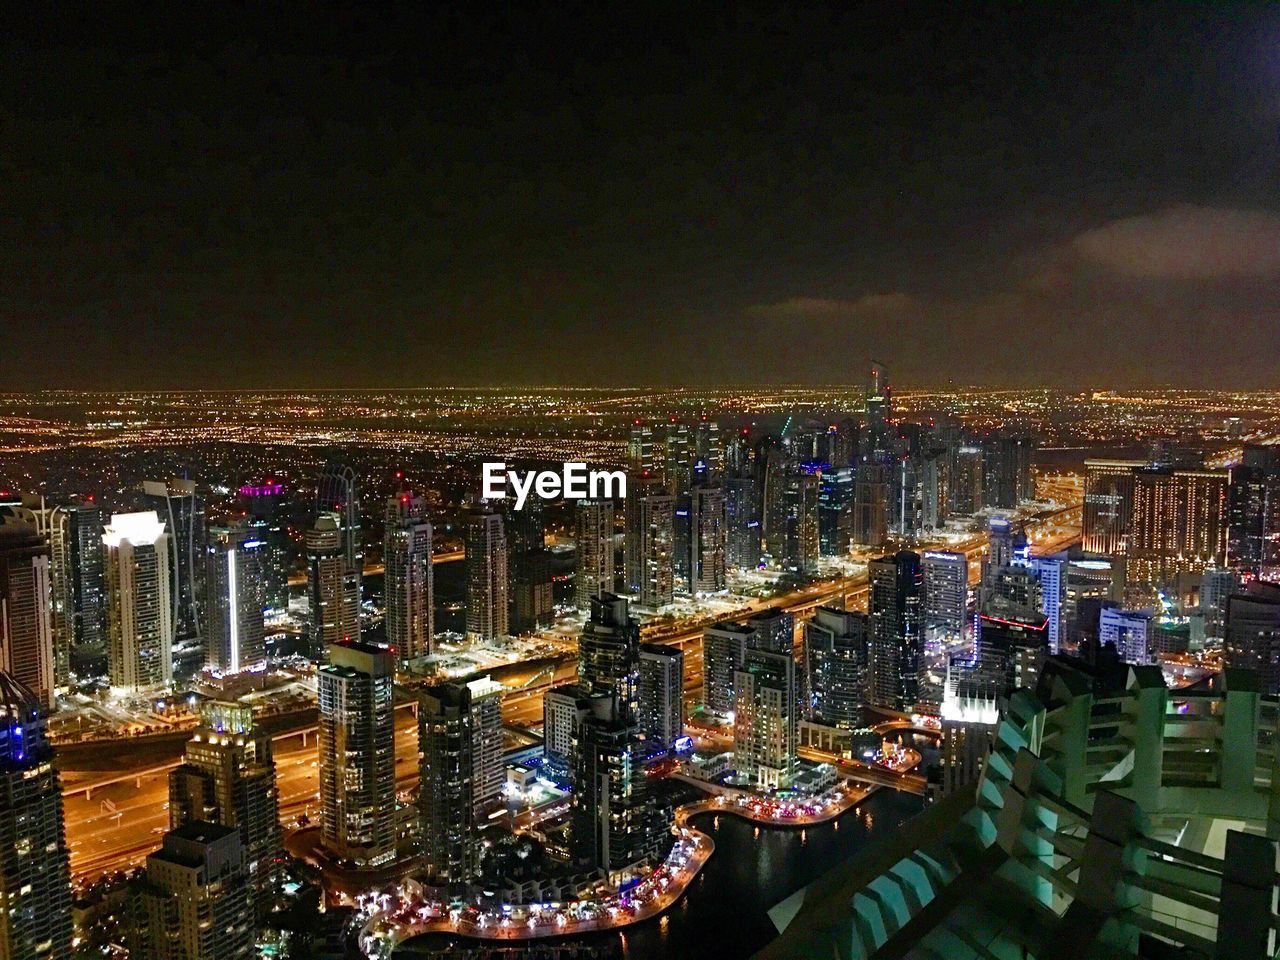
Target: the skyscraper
(1253, 633)
(742, 516)
(1178, 526)
(487, 585)
(408, 580)
(35, 874)
(234, 633)
(774, 630)
(197, 899)
(724, 651)
(838, 661)
(896, 585)
(1130, 632)
(88, 598)
(593, 540)
(946, 595)
(765, 719)
(265, 506)
(531, 600)
(228, 776)
(708, 535)
(358, 753)
(660, 695)
(338, 493)
(1108, 505)
(26, 628)
(800, 541)
(649, 542)
(333, 591)
(177, 503)
(52, 526)
(1216, 585)
(140, 612)
(484, 698)
(446, 796)
(609, 649)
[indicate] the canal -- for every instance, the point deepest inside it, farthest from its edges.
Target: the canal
(725, 913)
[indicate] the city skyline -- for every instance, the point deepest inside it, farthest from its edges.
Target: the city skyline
(524, 196)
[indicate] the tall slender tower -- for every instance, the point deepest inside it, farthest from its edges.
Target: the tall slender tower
(234, 632)
(228, 776)
(26, 628)
(265, 507)
(408, 580)
(487, 584)
(88, 598)
(708, 540)
(35, 871)
(181, 508)
(52, 525)
(446, 797)
(593, 575)
(338, 493)
(896, 644)
(140, 612)
(333, 592)
(358, 753)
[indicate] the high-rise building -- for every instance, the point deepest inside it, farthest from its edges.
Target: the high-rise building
(871, 496)
(708, 538)
(838, 663)
(266, 513)
(408, 580)
(879, 438)
(333, 590)
(1108, 506)
(35, 873)
(613, 822)
(358, 753)
(1253, 503)
(488, 766)
(1012, 647)
(724, 651)
(946, 595)
(233, 576)
(140, 613)
(1253, 633)
(609, 650)
(26, 627)
(642, 456)
(649, 545)
(52, 526)
(1131, 632)
(88, 597)
(1178, 526)
(446, 797)
(228, 776)
(178, 504)
(970, 713)
(965, 489)
(593, 540)
(487, 584)
(1051, 573)
(765, 719)
(742, 516)
(800, 545)
(531, 601)
(338, 493)
(196, 897)
(660, 693)
(896, 643)
(835, 511)
(1216, 585)
(564, 708)
(1008, 479)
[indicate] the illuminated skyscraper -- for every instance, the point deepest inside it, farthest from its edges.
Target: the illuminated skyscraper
(650, 543)
(234, 633)
(338, 493)
(946, 595)
(609, 649)
(177, 503)
(26, 628)
(487, 584)
(333, 591)
(593, 540)
(140, 612)
(765, 722)
(197, 899)
(489, 770)
(408, 581)
(837, 651)
(446, 797)
(613, 822)
(871, 495)
(35, 877)
(1178, 526)
(707, 540)
(896, 643)
(1130, 632)
(88, 598)
(1253, 633)
(358, 753)
(660, 694)
(52, 526)
(742, 515)
(228, 776)
(724, 651)
(1108, 505)
(265, 507)
(531, 600)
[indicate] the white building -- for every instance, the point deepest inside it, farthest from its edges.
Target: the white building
(139, 608)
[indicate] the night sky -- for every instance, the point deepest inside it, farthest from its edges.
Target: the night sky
(1043, 194)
